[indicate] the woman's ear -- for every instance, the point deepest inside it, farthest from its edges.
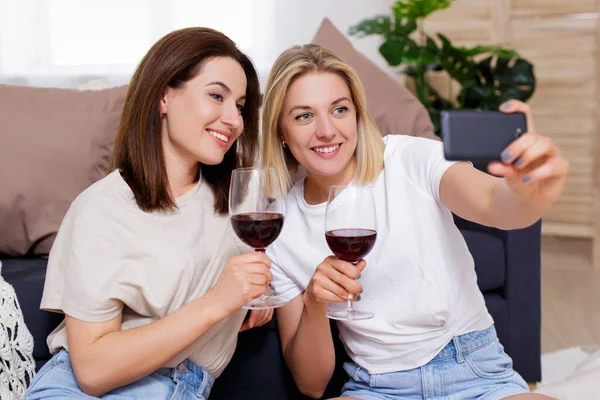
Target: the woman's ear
(164, 101)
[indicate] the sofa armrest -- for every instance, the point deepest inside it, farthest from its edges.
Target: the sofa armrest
(522, 292)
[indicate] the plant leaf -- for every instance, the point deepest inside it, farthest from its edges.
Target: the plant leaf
(493, 50)
(415, 9)
(380, 25)
(458, 66)
(485, 72)
(499, 82)
(400, 51)
(403, 27)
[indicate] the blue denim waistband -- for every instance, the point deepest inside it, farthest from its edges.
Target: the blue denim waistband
(467, 343)
(197, 377)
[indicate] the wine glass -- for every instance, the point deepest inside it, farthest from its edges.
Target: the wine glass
(350, 231)
(256, 210)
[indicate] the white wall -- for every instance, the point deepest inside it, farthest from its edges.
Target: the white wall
(300, 19)
(30, 39)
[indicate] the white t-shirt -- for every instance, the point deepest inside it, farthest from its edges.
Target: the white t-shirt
(419, 280)
(111, 257)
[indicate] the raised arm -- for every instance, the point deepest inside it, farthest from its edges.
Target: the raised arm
(105, 357)
(532, 174)
(304, 327)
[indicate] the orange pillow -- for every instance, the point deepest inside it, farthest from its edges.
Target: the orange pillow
(393, 107)
(54, 143)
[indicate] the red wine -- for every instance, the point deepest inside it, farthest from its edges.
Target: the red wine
(351, 244)
(257, 229)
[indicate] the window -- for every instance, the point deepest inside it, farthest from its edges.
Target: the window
(93, 37)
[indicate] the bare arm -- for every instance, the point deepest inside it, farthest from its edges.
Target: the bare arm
(304, 327)
(485, 199)
(307, 345)
(105, 357)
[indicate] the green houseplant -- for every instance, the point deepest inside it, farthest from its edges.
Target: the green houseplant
(487, 75)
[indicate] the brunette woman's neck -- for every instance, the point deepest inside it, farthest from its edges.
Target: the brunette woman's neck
(181, 180)
(182, 174)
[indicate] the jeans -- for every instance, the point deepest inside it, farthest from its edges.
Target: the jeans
(471, 366)
(56, 380)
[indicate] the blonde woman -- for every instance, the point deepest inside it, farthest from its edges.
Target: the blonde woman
(432, 335)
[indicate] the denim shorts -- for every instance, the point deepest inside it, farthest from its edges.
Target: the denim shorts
(471, 366)
(56, 380)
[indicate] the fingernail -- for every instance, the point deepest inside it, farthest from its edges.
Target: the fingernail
(359, 297)
(361, 290)
(518, 162)
(526, 178)
(506, 106)
(506, 156)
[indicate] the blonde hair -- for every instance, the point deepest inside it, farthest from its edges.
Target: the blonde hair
(291, 65)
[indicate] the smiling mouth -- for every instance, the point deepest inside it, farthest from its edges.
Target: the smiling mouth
(326, 150)
(218, 136)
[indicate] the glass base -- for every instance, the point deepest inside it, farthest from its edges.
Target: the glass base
(350, 315)
(264, 302)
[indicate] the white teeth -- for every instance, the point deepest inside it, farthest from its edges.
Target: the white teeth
(218, 136)
(326, 150)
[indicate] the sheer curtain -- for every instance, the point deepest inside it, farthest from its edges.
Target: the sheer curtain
(68, 43)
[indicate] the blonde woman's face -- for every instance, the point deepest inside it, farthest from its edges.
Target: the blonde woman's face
(319, 124)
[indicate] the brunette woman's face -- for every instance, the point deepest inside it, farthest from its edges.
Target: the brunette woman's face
(203, 118)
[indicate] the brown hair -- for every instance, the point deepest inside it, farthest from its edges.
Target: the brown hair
(293, 63)
(138, 154)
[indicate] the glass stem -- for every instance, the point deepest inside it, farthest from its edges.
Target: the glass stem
(350, 308)
(263, 297)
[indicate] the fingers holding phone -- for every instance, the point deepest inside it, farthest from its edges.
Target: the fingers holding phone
(532, 164)
(508, 145)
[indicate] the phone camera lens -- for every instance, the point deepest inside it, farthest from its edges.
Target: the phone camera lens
(518, 133)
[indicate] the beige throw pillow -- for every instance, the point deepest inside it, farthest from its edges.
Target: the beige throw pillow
(54, 143)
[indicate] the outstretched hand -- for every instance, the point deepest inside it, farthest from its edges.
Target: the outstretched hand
(532, 164)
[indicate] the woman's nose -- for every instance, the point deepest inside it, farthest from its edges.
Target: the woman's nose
(325, 128)
(232, 116)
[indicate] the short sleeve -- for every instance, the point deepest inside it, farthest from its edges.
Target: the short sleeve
(83, 276)
(422, 160)
(282, 284)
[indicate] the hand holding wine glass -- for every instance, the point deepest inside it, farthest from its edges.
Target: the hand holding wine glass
(350, 231)
(333, 281)
(243, 279)
(256, 209)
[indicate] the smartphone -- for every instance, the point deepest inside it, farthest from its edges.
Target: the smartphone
(479, 136)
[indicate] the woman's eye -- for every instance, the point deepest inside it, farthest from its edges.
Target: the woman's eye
(216, 96)
(303, 117)
(240, 108)
(340, 110)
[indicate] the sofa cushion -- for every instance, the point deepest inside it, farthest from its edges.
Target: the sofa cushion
(498, 308)
(257, 369)
(54, 143)
(488, 254)
(393, 107)
(26, 275)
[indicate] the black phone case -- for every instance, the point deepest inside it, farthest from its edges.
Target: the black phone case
(479, 136)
